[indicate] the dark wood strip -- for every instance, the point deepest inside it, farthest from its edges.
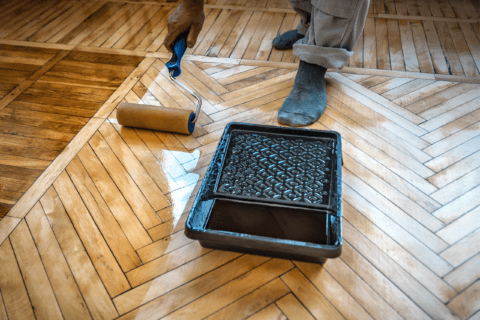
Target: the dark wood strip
(92, 22)
(17, 129)
(24, 174)
(71, 110)
(18, 120)
(59, 102)
(4, 208)
(31, 152)
(111, 59)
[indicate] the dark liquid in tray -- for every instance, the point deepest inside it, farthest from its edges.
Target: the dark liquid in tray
(269, 221)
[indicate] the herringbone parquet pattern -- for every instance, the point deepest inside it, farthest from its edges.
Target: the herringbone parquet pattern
(106, 239)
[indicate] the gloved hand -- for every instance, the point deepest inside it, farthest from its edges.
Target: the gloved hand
(189, 14)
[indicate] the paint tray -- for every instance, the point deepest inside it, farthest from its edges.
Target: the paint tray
(272, 191)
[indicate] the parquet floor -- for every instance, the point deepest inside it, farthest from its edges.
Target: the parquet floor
(99, 233)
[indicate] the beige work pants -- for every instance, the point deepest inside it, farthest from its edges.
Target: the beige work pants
(331, 29)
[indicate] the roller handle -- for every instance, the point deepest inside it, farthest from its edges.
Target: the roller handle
(179, 47)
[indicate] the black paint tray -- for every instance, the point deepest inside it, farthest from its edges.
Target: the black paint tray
(272, 191)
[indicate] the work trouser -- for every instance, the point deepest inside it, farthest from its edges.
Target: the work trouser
(331, 29)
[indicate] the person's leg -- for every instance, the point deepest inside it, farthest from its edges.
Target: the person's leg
(286, 40)
(334, 29)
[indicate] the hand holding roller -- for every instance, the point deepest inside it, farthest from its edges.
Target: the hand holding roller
(158, 118)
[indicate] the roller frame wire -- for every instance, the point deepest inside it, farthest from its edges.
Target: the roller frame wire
(199, 104)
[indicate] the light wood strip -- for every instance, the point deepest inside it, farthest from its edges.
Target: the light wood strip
(293, 309)
(311, 298)
(413, 266)
(233, 290)
(175, 279)
(381, 284)
(461, 227)
(401, 156)
(98, 250)
(456, 171)
(458, 187)
(73, 22)
(134, 168)
(332, 290)
(93, 290)
(370, 45)
(368, 117)
(222, 37)
(252, 302)
(106, 222)
(119, 207)
(400, 217)
(409, 206)
(465, 274)
(163, 246)
(450, 110)
(440, 97)
(435, 48)
(15, 296)
(362, 292)
(38, 286)
(434, 307)
(383, 104)
(66, 291)
(421, 47)
(132, 193)
(244, 40)
(270, 312)
(463, 51)
(165, 263)
(3, 311)
(394, 231)
(212, 33)
(201, 286)
(469, 114)
(467, 303)
(7, 225)
(52, 28)
(454, 155)
(460, 205)
(163, 172)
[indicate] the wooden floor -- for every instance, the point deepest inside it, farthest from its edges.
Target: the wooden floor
(94, 212)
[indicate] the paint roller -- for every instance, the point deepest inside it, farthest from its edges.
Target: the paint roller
(158, 118)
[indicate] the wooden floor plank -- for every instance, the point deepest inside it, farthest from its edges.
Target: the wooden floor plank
(143, 180)
(106, 222)
(89, 283)
(464, 275)
(292, 308)
(120, 208)
(315, 302)
(270, 312)
(98, 250)
(462, 305)
(412, 288)
(236, 289)
(167, 303)
(125, 183)
(253, 301)
(14, 293)
(36, 280)
(63, 284)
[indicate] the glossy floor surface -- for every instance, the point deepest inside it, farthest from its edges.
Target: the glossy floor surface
(95, 212)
